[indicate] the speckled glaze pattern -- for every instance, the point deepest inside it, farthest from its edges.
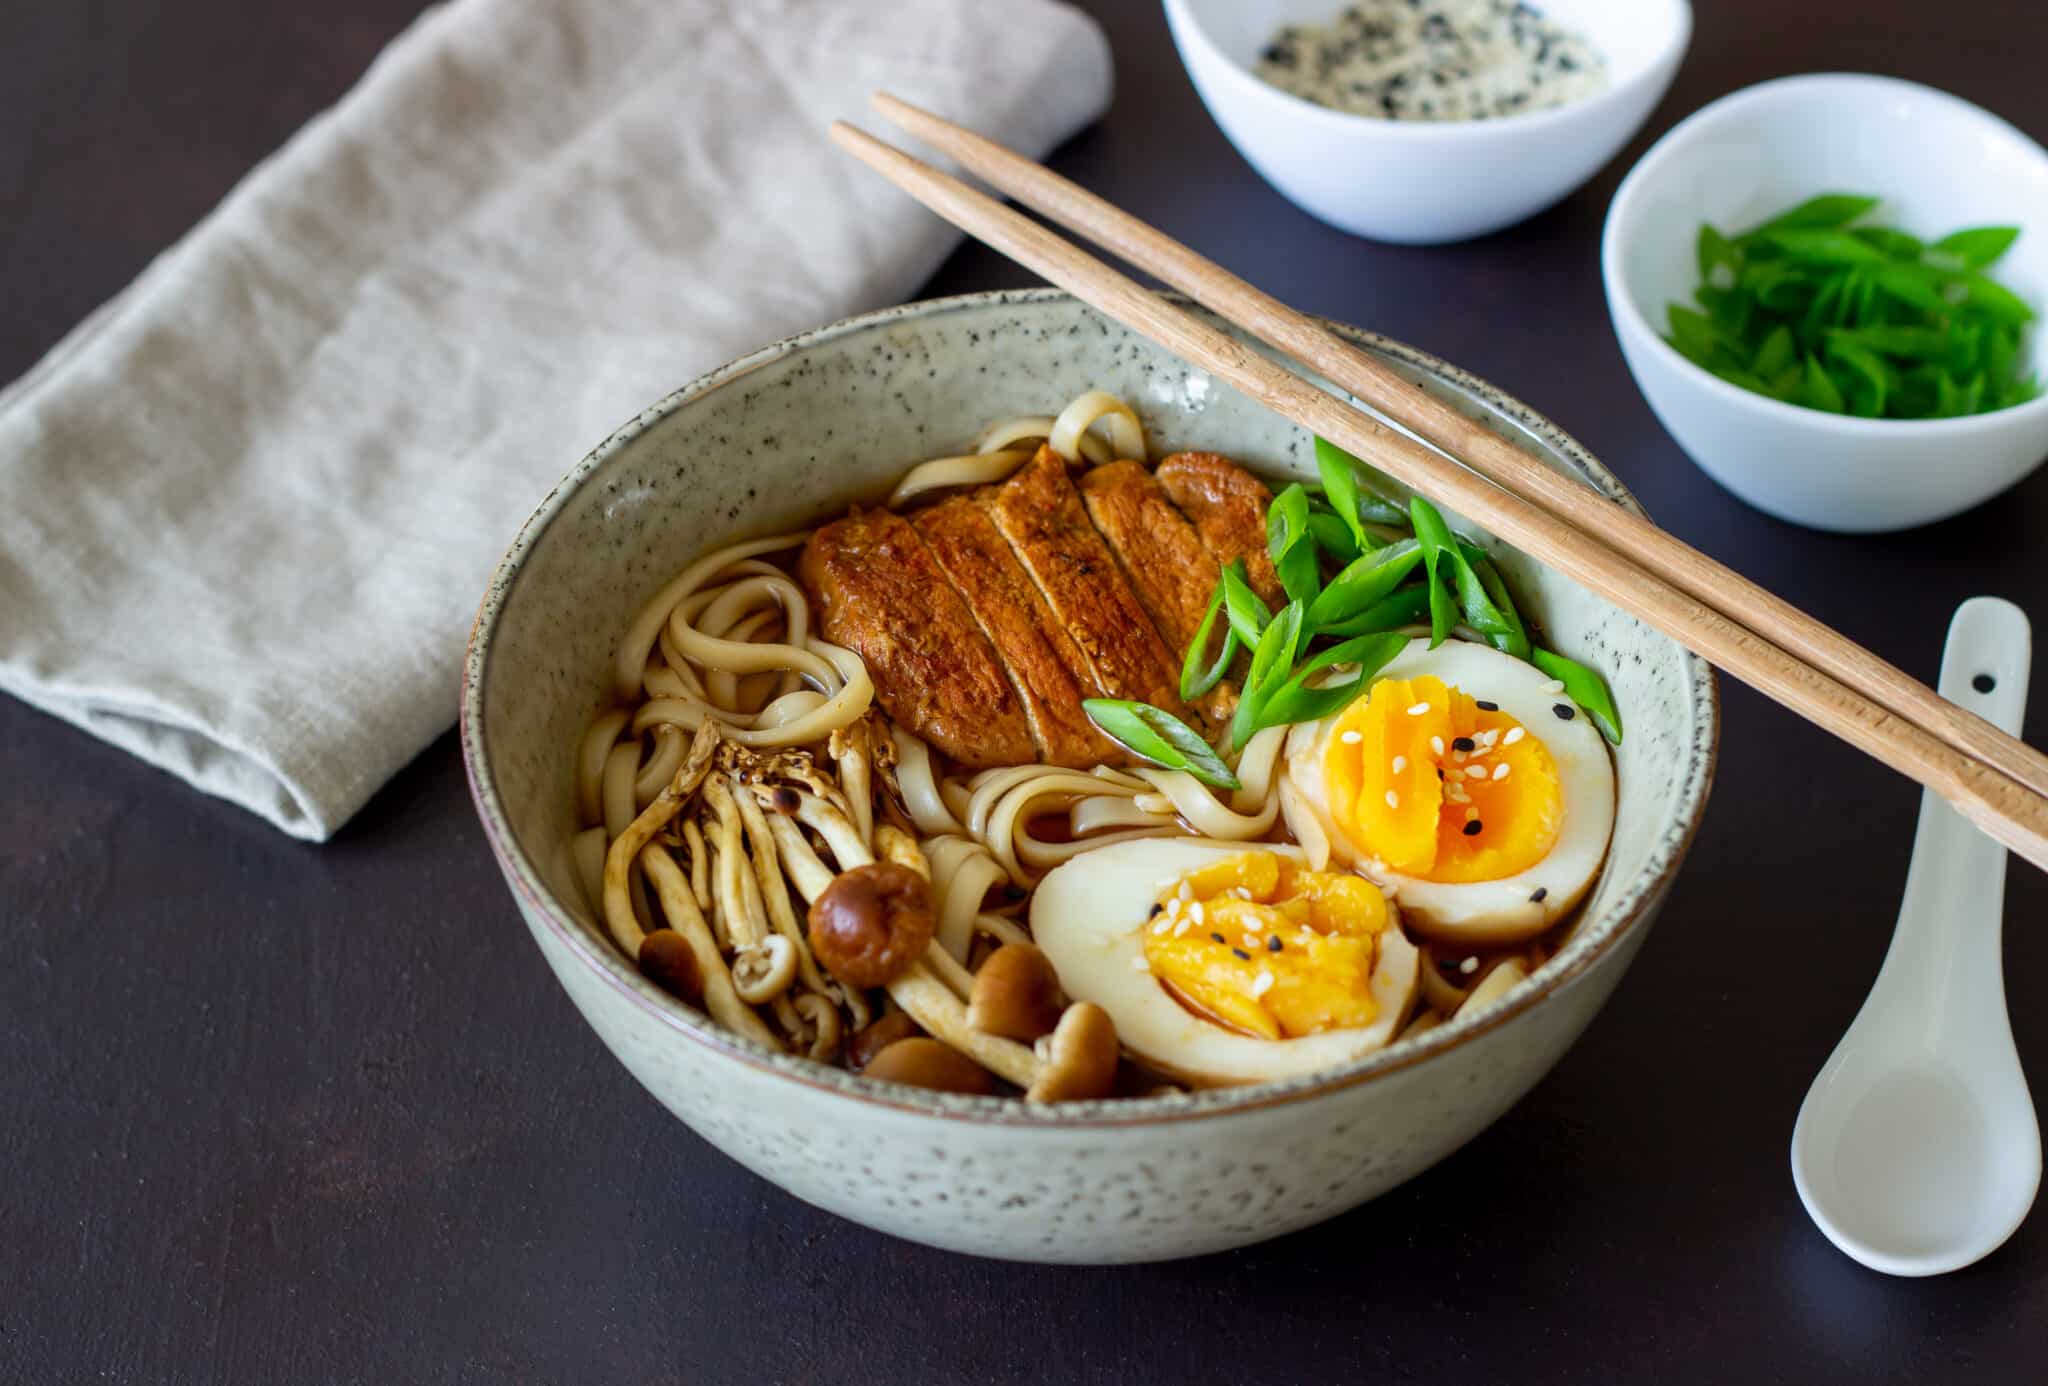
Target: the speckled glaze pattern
(799, 429)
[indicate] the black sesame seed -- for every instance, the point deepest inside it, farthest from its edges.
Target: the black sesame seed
(1485, 706)
(1242, 954)
(1217, 937)
(1983, 683)
(1273, 944)
(1464, 743)
(1439, 772)
(1537, 898)
(1473, 828)
(1157, 910)
(1564, 712)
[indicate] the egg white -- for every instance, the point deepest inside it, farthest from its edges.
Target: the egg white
(1089, 916)
(1484, 913)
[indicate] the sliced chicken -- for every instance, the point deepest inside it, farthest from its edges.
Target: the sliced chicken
(1227, 505)
(884, 596)
(1049, 673)
(1040, 513)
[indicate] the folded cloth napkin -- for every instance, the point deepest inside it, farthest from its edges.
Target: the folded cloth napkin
(247, 509)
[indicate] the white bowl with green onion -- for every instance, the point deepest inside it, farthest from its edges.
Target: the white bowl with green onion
(1839, 363)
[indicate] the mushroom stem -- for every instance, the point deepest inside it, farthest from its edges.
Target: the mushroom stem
(850, 752)
(700, 863)
(806, 871)
(774, 890)
(619, 914)
(949, 969)
(747, 924)
(672, 888)
(932, 1004)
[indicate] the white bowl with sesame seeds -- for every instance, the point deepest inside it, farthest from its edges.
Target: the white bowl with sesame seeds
(1938, 163)
(1422, 178)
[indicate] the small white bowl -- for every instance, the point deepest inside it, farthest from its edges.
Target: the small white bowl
(1940, 164)
(1417, 182)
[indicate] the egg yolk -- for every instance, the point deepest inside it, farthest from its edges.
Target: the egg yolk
(1262, 946)
(1439, 785)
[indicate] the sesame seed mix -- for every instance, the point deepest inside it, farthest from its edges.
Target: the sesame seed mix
(1473, 828)
(1564, 712)
(1393, 800)
(1434, 60)
(1418, 709)
(1400, 764)
(1469, 966)
(1514, 734)
(1352, 738)
(1500, 771)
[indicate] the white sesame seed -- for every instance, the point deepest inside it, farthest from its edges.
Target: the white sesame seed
(1400, 764)
(1487, 738)
(1469, 966)
(1471, 815)
(1195, 913)
(1554, 686)
(1138, 964)
(1263, 983)
(1418, 709)
(1352, 738)
(1514, 734)
(1182, 926)
(1393, 799)
(1252, 943)
(1475, 772)
(1162, 926)
(1436, 746)
(1187, 892)
(1500, 771)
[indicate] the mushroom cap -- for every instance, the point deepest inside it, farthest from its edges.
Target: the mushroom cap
(1083, 1058)
(667, 960)
(872, 1039)
(925, 1063)
(1016, 994)
(871, 923)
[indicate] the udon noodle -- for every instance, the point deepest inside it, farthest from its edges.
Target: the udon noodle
(742, 763)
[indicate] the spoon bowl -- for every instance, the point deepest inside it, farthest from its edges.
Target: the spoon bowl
(1917, 1150)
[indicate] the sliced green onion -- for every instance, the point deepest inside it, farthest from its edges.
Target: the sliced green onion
(1434, 536)
(1340, 488)
(1248, 615)
(1366, 581)
(1515, 640)
(1294, 701)
(1152, 734)
(1407, 607)
(1334, 537)
(1195, 678)
(1978, 246)
(1583, 686)
(1292, 548)
(1829, 211)
(1271, 659)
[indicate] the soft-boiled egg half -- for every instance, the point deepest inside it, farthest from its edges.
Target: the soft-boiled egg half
(1468, 784)
(1226, 962)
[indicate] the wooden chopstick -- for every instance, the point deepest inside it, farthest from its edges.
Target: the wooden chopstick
(2007, 811)
(1470, 442)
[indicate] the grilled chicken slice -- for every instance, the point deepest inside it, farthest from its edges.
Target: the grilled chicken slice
(1049, 673)
(1040, 513)
(1171, 570)
(1227, 505)
(884, 597)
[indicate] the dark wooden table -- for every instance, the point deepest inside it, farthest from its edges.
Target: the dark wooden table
(271, 1112)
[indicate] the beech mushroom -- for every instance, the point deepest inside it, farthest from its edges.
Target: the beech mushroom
(1016, 994)
(672, 889)
(762, 971)
(872, 1039)
(822, 1028)
(925, 1063)
(667, 960)
(1083, 1058)
(871, 923)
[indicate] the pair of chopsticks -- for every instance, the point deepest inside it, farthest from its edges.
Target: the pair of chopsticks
(1994, 780)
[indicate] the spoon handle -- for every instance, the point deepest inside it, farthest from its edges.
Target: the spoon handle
(1949, 921)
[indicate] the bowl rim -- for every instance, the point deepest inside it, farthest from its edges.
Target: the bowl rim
(1182, 20)
(1629, 911)
(1670, 146)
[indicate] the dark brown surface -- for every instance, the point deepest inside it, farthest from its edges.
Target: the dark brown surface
(271, 1112)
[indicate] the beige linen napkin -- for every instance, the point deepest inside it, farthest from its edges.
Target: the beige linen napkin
(248, 508)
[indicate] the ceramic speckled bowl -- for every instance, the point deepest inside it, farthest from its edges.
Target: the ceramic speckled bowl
(795, 431)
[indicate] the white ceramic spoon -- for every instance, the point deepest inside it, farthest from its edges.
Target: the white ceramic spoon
(1917, 1150)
